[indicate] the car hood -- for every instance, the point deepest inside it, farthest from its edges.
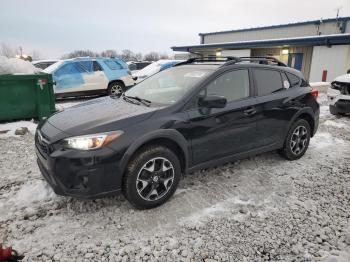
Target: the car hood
(99, 115)
(343, 78)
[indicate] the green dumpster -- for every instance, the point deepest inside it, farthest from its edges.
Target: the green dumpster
(26, 96)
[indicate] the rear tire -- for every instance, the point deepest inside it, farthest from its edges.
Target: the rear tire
(116, 88)
(297, 140)
(151, 177)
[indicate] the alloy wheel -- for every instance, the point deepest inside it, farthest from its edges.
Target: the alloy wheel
(298, 140)
(155, 179)
(116, 90)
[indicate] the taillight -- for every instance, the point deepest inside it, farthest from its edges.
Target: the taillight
(314, 92)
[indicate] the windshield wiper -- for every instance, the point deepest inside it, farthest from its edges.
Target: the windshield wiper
(130, 100)
(141, 100)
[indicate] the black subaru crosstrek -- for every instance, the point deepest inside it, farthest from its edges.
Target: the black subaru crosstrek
(198, 114)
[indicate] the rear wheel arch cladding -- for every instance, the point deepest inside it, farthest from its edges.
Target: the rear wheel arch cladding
(171, 135)
(308, 118)
(305, 114)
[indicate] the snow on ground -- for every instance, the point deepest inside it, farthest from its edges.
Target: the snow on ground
(263, 208)
(336, 124)
(8, 129)
(33, 192)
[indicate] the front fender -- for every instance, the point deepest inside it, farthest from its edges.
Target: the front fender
(170, 134)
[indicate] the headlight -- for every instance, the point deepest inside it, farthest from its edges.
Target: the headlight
(94, 141)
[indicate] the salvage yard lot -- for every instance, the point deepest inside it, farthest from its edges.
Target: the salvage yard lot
(261, 208)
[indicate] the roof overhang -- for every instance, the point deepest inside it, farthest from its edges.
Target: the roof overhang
(312, 22)
(327, 40)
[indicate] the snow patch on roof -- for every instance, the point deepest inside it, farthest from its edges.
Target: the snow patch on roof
(343, 78)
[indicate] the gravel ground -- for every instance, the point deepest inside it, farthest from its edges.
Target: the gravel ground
(259, 209)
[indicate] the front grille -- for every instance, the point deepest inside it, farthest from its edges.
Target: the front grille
(42, 144)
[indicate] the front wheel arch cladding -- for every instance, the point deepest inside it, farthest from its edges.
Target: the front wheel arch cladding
(169, 134)
(115, 81)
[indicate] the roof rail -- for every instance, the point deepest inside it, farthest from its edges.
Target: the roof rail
(209, 59)
(230, 60)
(263, 59)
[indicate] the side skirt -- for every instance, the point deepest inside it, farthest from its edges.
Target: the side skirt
(227, 159)
(81, 93)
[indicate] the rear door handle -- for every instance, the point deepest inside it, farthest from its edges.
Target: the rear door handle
(249, 111)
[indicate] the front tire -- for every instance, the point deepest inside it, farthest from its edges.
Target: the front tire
(297, 140)
(116, 88)
(151, 177)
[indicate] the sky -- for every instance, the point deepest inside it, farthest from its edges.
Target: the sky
(54, 28)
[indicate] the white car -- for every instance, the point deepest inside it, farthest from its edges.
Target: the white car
(135, 66)
(339, 95)
(43, 64)
(154, 68)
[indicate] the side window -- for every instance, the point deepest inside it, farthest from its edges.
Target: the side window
(97, 66)
(293, 79)
(132, 67)
(86, 66)
(267, 81)
(67, 69)
(113, 65)
(233, 85)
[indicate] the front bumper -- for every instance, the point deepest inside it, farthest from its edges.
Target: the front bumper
(341, 106)
(82, 174)
(338, 102)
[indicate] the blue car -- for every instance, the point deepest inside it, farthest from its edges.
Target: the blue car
(90, 76)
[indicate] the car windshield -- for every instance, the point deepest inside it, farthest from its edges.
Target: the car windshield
(168, 86)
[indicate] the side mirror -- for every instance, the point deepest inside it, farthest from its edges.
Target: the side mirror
(212, 101)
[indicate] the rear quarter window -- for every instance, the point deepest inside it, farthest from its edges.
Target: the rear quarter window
(267, 81)
(293, 79)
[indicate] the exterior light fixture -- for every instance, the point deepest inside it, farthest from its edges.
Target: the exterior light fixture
(218, 53)
(285, 51)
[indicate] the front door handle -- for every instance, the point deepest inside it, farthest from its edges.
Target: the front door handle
(249, 111)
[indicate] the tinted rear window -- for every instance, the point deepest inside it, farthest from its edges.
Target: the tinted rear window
(267, 81)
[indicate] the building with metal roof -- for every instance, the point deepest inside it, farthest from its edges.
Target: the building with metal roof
(319, 48)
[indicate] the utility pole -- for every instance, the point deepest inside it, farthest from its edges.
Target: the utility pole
(338, 11)
(337, 19)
